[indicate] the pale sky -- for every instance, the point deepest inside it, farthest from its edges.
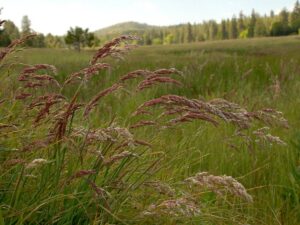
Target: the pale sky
(57, 16)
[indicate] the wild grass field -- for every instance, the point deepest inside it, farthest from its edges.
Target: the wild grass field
(126, 164)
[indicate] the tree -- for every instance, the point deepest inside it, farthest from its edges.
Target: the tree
(234, 28)
(241, 23)
(243, 34)
(79, 37)
(295, 17)
(177, 36)
(26, 29)
(39, 41)
(260, 28)
(278, 29)
(169, 39)
(4, 38)
(90, 39)
(213, 29)
(147, 38)
(188, 33)
(50, 41)
(251, 27)
(224, 33)
(156, 41)
(284, 17)
(54, 41)
(284, 20)
(206, 30)
(161, 36)
(26, 23)
(12, 30)
(181, 32)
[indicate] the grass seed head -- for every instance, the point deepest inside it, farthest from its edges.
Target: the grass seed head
(220, 185)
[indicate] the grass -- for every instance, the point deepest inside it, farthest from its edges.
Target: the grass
(255, 74)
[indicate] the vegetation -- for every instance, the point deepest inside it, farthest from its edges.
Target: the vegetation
(255, 25)
(86, 141)
(79, 37)
(243, 26)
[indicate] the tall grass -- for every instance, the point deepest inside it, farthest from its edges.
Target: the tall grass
(107, 146)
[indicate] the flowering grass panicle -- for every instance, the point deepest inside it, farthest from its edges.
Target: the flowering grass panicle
(181, 207)
(220, 185)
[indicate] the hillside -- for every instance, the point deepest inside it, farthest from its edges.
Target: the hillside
(124, 28)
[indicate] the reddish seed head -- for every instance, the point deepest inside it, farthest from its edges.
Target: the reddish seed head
(143, 123)
(82, 173)
(87, 73)
(101, 94)
(33, 84)
(112, 48)
(34, 68)
(22, 96)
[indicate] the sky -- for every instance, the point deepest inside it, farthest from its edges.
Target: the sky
(57, 16)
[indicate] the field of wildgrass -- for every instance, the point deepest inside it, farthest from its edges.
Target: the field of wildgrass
(222, 146)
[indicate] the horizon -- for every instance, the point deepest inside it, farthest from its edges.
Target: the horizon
(167, 13)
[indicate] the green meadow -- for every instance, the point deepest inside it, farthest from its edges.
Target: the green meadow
(255, 74)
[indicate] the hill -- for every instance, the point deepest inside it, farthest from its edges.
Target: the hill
(124, 28)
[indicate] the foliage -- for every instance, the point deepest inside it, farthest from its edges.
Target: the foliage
(4, 38)
(79, 37)
(279, 29)
(224, 32)
(54, 41)
(234, 28)
(12, 30)
(255, 24)
(260, 28)
(101, 169)
(295, 17)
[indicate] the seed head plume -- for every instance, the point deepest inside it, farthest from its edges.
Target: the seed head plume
(143, 123)
(113, 49)
(32, 69)
(62, 119)
(152, 77)
(154, 80)
(87, 73)
(47, 101)
(82, 173)
(118, 157)
(180, 207)
(22, 96)
(101, 94)
(34, 80)
(220, 185)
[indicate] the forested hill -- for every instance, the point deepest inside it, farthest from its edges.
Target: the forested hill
(240, 26)
(125, 28)
(285, 22)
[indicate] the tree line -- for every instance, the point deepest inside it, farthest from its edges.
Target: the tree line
(11, 32)
(241, 26)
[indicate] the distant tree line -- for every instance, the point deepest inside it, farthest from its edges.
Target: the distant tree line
(241, 26)
(11, 32)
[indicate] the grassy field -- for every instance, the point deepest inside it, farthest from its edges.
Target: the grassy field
(78, 184)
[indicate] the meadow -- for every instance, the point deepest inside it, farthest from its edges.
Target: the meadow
(109, 162)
